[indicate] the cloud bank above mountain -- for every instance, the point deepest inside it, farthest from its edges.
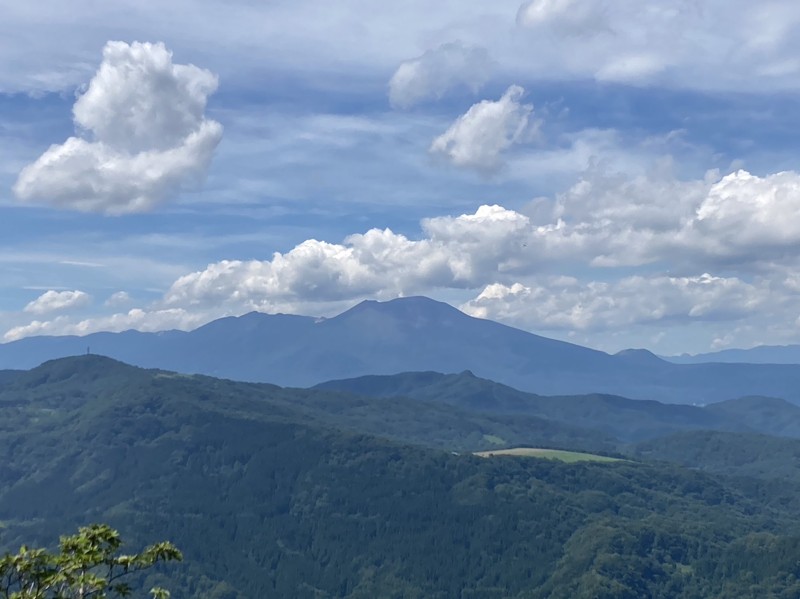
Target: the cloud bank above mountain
(506, 259)
(651, 196)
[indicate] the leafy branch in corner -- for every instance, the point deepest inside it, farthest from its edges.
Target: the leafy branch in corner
(87, 565)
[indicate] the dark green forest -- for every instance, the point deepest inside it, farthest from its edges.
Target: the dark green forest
(286, 493)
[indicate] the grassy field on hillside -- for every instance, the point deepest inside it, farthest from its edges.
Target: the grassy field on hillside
(552, 454)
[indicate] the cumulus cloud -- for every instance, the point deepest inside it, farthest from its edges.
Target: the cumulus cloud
(318, 277)
(744, 214)
(652, 201)
(456, 252)
(613, 220)
(437, 71)
(477, 138)
(58, 301)
(740, 223)
(144, 136)
(604, 221)
(569, 304)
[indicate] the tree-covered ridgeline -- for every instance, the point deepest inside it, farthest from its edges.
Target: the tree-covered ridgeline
(269, 495)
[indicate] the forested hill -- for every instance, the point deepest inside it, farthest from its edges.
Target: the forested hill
(625, 419)
(89, 382)
(268, 495)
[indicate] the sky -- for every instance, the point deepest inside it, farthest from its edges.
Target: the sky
(615, 173)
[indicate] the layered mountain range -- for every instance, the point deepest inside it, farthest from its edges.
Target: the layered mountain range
(412, 334)
(368, 487)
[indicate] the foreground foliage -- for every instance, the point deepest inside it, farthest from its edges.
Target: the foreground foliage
(88, 564)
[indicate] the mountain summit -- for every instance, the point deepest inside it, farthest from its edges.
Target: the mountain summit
(411, 334)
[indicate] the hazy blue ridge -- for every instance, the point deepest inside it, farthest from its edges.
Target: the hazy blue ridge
(626, 419)
(412, 334)
(763, 354)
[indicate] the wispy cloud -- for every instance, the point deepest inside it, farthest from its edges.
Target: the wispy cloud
(438, 71)
(58, 301)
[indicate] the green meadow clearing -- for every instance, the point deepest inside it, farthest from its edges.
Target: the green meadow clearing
(552, 454)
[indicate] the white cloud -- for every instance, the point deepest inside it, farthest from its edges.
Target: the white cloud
(151, 320)
(747, 217)
(614, 220)
(738, 226)
(477, 138)
(120, 298)
(535, 12)
(605, 221)
(148, 136)
(682, 43)
(458, 252)
(58, 301)
(317, 277)
(437, 71)
(565, 16)
(569, 304)
(655, 200)
(253, 40)
(630, 68)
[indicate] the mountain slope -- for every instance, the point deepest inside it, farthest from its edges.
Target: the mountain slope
(626, 419)
(734, 454)
(265, 501)
(412, 334)
(767, 415)
(67, 382)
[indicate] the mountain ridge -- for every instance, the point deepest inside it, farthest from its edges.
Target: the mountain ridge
(411, 334)
(630, 420)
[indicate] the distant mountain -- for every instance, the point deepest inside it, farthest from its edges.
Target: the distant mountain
(411, 334)
(762, 354)
(626, 419)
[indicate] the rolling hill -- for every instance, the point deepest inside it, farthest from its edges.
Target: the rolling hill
(630, 420)
(274, 492)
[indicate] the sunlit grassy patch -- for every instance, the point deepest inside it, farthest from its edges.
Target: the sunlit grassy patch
(552, 454)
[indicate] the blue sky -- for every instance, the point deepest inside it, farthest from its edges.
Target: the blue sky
(618, 174)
